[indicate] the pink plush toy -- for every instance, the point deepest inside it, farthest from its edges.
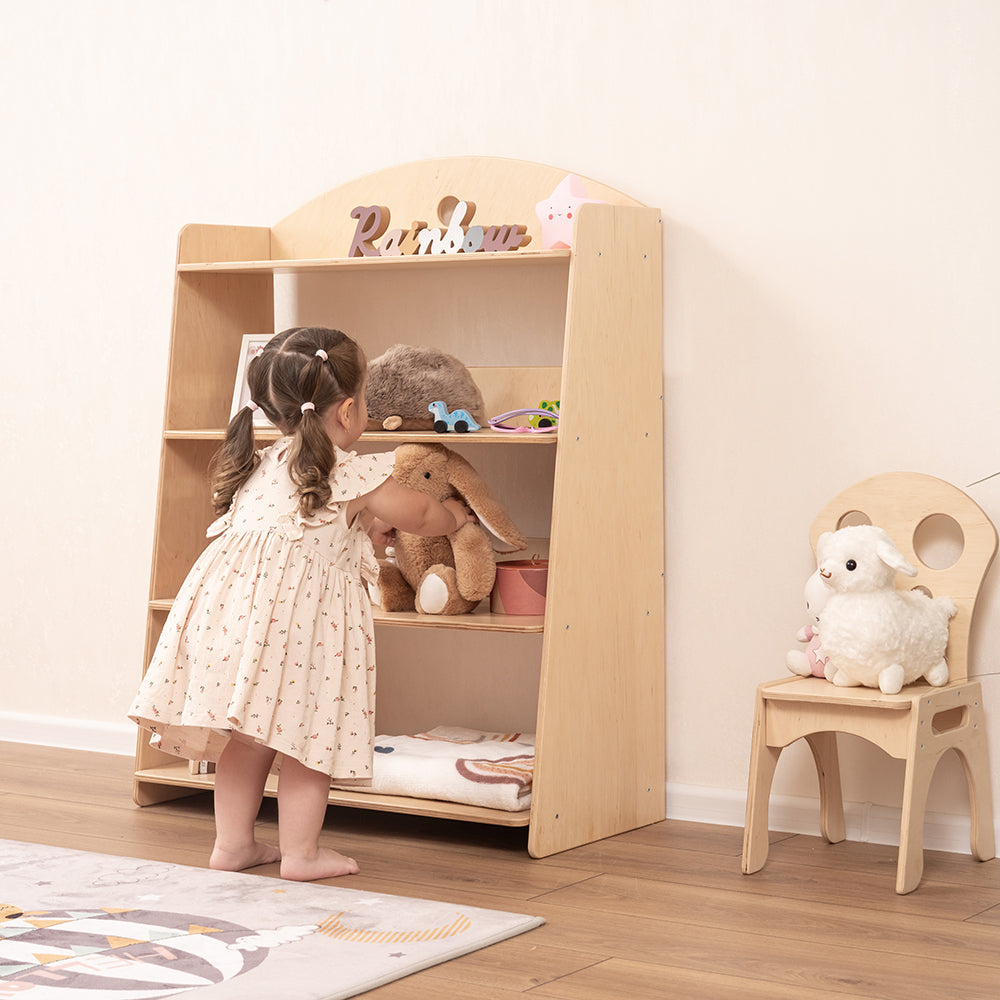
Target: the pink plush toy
(811, 660)
(557, 212)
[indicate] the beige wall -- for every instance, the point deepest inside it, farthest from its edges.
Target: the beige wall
(827, 174)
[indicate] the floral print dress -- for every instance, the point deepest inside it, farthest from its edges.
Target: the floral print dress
(271, 634)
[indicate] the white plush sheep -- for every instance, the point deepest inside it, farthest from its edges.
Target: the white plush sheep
(873, 633)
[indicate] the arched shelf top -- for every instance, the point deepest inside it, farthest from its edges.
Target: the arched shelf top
(505, 192)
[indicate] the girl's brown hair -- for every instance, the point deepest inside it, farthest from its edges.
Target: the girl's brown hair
(289, 372)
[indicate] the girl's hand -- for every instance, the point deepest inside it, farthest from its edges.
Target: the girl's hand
(459, 511)
(382, 533)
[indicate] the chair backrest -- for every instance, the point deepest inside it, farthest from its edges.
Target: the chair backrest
(925, 517)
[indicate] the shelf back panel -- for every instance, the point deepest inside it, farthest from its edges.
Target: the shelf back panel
(504, 191)
(484, 316)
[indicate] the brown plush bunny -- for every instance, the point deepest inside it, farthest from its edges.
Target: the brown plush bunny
(449, 574)
(405, 380)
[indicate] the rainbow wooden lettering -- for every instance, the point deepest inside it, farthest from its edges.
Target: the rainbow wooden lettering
(454, 235)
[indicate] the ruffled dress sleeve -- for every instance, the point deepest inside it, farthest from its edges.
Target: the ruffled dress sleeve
(354, 476)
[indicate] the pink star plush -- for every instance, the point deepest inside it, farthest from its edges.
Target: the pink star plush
(558, 211)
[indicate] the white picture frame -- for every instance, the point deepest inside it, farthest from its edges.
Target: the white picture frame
(253, 344)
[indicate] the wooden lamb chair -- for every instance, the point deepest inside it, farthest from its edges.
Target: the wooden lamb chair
(917, 725)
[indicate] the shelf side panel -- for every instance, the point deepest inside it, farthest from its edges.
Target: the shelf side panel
(210, 315)
(185, 512)
(208, 244)
(212, 312)
(600, 765)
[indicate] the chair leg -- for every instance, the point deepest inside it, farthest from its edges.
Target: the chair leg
(910, 866)
(763, 761)
(975, 760)
(982, 840)
(831, 799)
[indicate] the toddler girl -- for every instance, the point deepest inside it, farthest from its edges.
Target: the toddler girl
(269, 645)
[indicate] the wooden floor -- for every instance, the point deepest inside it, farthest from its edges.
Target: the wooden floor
(660, 912)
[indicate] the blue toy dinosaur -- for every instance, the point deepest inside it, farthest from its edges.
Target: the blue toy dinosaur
(459, 421)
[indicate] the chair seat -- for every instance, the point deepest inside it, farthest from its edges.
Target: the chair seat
(805, 706)
(821, 690)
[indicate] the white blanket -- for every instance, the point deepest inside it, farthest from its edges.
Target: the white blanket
(457, 765)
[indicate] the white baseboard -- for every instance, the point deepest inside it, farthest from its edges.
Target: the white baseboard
(73, 734)
(696, 804)
(864, 821)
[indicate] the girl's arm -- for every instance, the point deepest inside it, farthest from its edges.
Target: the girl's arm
(410, 511)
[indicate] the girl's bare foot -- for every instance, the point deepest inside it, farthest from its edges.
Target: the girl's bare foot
(254, 854)
(324, 864)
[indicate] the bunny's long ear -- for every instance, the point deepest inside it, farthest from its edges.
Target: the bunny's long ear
(886, 550)
(467, 482)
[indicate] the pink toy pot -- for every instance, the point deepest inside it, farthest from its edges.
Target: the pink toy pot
(520, 587)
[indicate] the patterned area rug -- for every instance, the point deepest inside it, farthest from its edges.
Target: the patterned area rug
(76, 926)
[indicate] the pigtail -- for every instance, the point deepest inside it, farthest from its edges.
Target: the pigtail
(311, 456)
(235, 460)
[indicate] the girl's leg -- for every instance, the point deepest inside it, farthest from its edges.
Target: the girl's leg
(302, 802)
(239, 788)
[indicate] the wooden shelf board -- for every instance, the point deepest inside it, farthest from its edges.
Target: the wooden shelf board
(502, 258)
(484, 436)
(390, 438)
(483, 621)
(477, 621)
(178, 774)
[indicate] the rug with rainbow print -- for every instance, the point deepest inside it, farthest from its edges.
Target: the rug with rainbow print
(76, 926)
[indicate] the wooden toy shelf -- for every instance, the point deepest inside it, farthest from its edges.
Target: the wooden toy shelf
(583, 326)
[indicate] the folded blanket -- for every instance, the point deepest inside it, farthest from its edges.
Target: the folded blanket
(457, 765)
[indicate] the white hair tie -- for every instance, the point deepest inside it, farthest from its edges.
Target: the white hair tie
(307, 406)
(252, 406)
(322, 354)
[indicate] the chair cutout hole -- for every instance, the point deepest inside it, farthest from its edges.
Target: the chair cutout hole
(949, 720)
(926, 591)
(852, 518)
(939, 541)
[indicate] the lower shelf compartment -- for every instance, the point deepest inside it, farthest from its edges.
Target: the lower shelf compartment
(178, 775)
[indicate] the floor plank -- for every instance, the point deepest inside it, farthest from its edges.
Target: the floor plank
(868, 888)
(806, 923)
(644, 981)
(879, 861)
